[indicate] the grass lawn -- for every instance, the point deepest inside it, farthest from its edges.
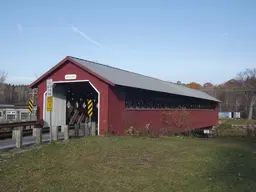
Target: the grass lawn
(133, 164)
(226, 129)
(238, 121)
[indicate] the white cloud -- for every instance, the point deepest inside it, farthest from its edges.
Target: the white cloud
(76, 30)
(19, 28)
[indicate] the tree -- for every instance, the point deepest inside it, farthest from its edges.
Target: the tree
(247, 79)
(208, 85)
(194, 85)
(3, 76)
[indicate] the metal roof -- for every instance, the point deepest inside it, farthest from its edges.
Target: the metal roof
(131, 79)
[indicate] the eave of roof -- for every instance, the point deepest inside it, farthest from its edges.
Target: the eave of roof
(62, 62)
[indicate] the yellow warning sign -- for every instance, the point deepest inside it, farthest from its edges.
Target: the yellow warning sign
(30, 105)
(90, 107)
(49, 103)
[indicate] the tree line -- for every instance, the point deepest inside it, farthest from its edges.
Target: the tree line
(12, 94)
(237, 94)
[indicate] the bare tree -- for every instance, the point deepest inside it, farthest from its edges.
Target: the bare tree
(247, 79)
(3, 76)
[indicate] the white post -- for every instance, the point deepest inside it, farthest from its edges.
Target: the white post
(38, 134)
(86, 129)
(13, 134)
(82, 128)
(18, 137)
(66, 132)
(62, 128)
(93, 128)
(51, 132)
(55, 130)
(34, 132)
(49, 89)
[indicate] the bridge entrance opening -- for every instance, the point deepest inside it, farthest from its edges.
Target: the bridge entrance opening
(75, 103)
(81, 103)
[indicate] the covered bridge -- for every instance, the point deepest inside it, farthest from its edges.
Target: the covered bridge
(120, 99)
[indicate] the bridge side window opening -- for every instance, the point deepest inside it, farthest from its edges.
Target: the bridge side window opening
(1, 114)
(143, 99)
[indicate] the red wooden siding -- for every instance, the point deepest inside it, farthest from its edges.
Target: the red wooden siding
(116, 111)
(198, 118)
(69, 68)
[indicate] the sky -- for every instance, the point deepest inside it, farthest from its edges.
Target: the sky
(199, 40)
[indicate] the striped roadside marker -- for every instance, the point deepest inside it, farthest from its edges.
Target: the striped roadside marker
(90, 107)
(30, 105)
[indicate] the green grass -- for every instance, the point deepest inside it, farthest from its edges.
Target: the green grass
(133, 164)
(238, 121)
(226, 129)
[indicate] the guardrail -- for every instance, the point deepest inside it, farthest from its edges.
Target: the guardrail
(82, 129)
(17, 124)
(6, 129)
(18, 119)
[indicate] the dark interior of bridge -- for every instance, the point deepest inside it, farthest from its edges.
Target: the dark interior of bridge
(77, 96)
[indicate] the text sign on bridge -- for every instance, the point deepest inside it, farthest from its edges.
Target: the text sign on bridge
(49, 103)
(49, 87)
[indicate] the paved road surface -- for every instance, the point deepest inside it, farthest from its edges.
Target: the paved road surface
(10, 143)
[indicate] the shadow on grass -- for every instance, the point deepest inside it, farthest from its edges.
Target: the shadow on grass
(233, 168)
(248, 143)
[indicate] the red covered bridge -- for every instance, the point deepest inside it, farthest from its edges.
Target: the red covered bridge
(120, 99)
